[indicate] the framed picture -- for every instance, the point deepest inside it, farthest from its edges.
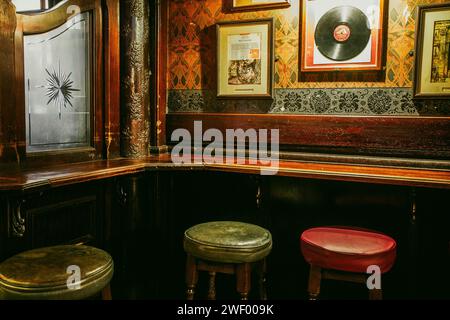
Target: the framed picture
(432, 68)
(342, 35)
(241, 5)
(245, 59)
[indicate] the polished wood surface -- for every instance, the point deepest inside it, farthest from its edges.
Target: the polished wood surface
(420, 137)
(8, 144)
(56, 16)
(13, 178)
(112, 81)
(346, 172)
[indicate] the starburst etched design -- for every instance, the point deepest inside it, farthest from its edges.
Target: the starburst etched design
(59, 88)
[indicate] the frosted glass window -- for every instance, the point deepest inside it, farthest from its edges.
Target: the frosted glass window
(58, 86)
(28, 5)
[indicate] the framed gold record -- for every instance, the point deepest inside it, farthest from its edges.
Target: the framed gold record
(342, 35)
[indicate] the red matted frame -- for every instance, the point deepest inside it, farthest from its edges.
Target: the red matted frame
(307, 52)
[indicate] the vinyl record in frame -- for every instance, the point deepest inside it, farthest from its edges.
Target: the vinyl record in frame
(342, 35)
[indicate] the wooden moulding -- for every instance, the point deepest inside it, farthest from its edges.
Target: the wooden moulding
(408, 137)
(158, 60)
(9, 143)
(69, 174)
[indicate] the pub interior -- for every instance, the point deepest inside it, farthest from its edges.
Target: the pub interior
(215, 149)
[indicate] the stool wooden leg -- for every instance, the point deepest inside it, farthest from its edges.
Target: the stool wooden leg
(263, 280)
(191, 277)
(106, 293)
(315, 277)
(212, 286)
(375, 294)
(243, 279)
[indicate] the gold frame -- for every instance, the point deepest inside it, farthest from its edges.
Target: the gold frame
(243, 5)
(423, 87)
(260, 71)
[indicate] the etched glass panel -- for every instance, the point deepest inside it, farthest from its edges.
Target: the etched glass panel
(27, 5)
(58, 86)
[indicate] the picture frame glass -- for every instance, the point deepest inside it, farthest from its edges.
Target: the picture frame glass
(245, 59)
(434, 66)
(342, 35)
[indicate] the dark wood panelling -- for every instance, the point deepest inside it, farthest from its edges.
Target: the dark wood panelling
(72, 214)
(135, 239)
(70, 221)
(142, 216)
(420, 137)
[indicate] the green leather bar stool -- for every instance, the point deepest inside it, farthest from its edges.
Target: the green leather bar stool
(45, 274)
(226, 247)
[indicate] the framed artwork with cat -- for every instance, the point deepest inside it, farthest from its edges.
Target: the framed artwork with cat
(245, 59)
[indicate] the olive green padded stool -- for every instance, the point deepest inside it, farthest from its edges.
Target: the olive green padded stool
(45, 274)
(226, 247)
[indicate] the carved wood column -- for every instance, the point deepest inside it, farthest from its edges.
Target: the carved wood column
(135, 78)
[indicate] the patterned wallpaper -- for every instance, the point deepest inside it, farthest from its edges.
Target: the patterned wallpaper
(329, 101)
(192, 62)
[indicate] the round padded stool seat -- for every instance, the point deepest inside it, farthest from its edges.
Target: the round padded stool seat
(347, 249)
(43, 273)
(228, 242)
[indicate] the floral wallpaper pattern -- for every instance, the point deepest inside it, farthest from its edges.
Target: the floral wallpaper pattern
(336, 101)
(192, 64)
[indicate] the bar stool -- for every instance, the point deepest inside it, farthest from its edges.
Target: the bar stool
(45, 274)
(345, 253)
(226, 247)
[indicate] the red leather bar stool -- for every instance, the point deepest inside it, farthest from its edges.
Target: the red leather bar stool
(345, 253)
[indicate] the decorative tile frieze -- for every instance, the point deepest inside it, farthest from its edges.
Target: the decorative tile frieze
(331, 101)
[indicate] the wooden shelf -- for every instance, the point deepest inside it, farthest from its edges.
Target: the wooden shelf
(53, 176)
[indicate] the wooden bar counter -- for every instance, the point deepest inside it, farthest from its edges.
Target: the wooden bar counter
(12, 178)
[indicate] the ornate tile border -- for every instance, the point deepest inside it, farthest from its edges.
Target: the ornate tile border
(331, 101)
